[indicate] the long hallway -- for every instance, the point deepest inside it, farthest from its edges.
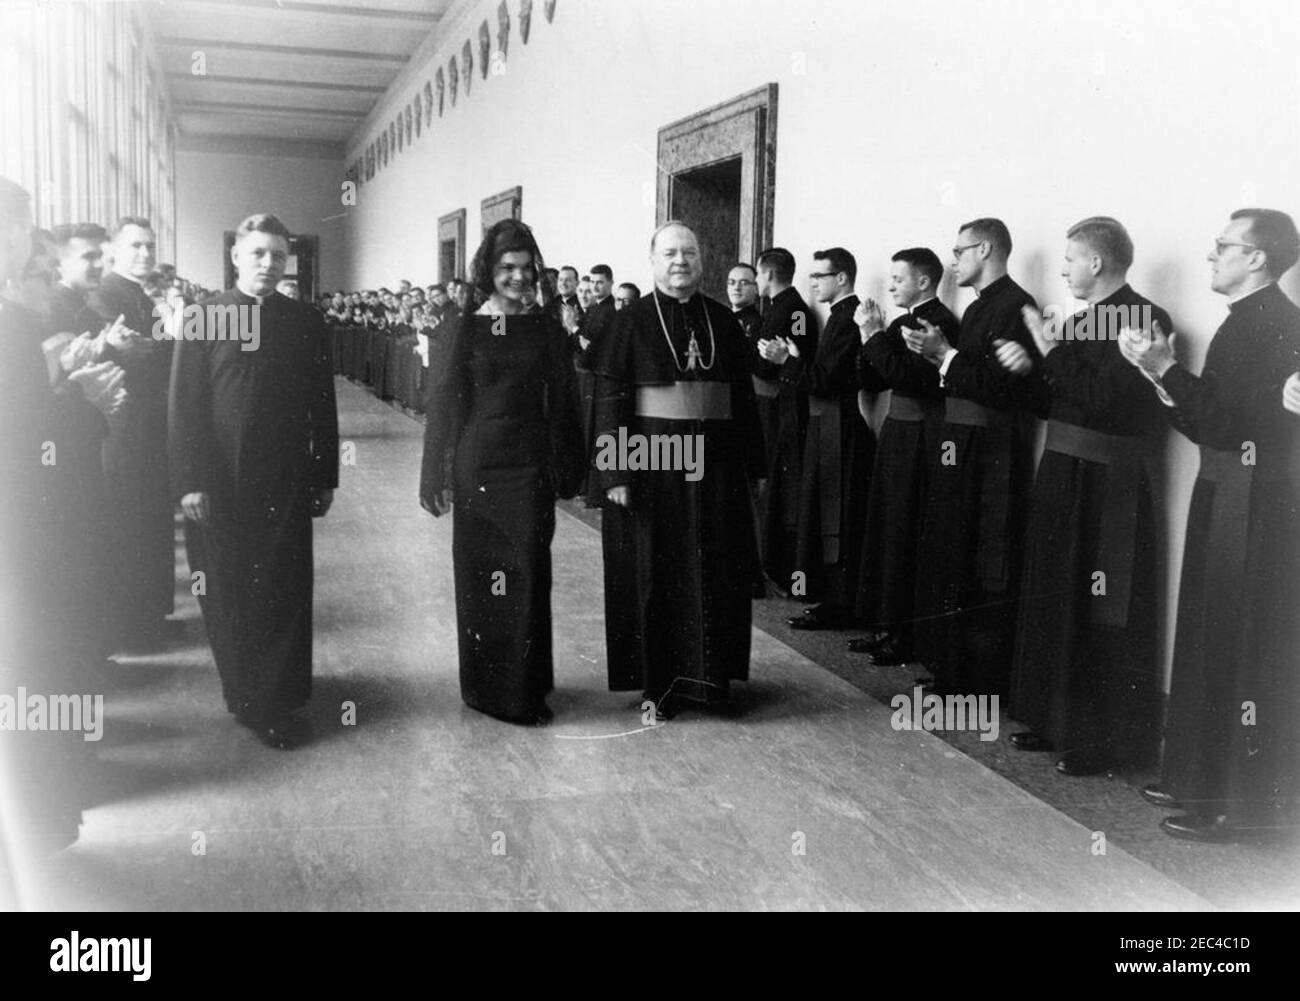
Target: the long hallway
(809, 799)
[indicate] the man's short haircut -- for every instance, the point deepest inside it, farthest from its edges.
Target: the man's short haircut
(89, 231)
(1274, 233)
(780, 262)
(744, 264)
(670, 224)
(840, 260)
(15, 203)
(552, 274)
(263, 222)
(436, 289)
(569, 267)
(993, 230)
(1107, 237)
(923, 260)
(131, 220)
(603, 269)
(635, 291)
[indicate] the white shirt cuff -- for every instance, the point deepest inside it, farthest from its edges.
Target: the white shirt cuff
(943, 365)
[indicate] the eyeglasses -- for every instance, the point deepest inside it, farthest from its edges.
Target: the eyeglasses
(819, 275)
(1221, 245)
(958, 251)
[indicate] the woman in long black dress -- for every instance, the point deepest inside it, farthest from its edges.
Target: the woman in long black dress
(503, 439)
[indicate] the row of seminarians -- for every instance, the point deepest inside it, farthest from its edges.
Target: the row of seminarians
(1043, 587)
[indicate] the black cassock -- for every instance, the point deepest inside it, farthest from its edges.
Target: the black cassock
(135, 464)
(504, 434)
(979, 479)
(1231, 737)
(887, 576)
(680, 561)
(839, 447)
(1085, 674)
(258, 432)
(594, 324)
(783, 410)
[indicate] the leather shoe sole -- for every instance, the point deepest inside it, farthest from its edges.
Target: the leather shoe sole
(1158, 797)
(1026, 740)
(1206, 830)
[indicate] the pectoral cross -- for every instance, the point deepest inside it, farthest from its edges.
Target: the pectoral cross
(693, 354)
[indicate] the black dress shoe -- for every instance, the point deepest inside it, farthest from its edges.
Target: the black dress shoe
(1158, 797)
(1026, 740)
(1081, 763)
(869, 643)
(1207, 829)
(891, 653)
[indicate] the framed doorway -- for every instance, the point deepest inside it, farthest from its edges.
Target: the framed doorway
(717, 173)
(303, 266)
(451, 246)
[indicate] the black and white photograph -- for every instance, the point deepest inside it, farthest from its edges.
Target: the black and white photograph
(651, 456)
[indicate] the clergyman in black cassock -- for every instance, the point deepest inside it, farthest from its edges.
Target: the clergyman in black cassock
(978, 480)
(1232, 751)
(503, 435)
(680, 551)
(1085, 677)
(910, 434)
(140, 509)
(254, 430)
(783, 410)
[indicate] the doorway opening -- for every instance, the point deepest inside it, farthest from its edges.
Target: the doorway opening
(708, 200)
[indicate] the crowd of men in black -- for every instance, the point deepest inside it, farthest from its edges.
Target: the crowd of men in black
(936, 534)
(940, 536)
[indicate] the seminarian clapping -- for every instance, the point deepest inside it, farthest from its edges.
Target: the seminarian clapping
(910, 434)
(1232, 748)
(254, 457)
(679, 544)
(1085, 677)
(978, 483)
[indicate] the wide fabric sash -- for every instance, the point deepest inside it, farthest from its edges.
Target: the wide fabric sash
(1117, 548)
(911, 408)
(685, 401)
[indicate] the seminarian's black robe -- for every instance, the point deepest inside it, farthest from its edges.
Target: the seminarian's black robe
(70, 314)
(978, 479)
(679, 563)
(139, 508)
(258, 432)
(503, 433)
(1232, 744)
(785, 425)
(838, 450)
(1085, 674)
(594, 324)
(887, 576)
(41, 569)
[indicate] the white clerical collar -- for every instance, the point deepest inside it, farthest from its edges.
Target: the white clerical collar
(259, 299)
(839, 300)
(917, 305)
(1246, 295)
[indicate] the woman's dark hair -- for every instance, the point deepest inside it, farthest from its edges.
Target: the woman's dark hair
(506, 237)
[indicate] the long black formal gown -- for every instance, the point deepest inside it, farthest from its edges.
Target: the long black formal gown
(258, 432)
(1085, 672)
(1231, 744)
(503, 432)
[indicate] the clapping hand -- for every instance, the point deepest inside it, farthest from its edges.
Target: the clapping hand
(1291, 393)
(102, 386)
(777, 350)
(929, 341)
(1013, 356)
(1153, 353)
(869, 318)
(1037, 327)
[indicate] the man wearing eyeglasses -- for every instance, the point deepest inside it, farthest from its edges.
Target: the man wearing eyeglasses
(1232, 748)
(972, 540)
(838, 448)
